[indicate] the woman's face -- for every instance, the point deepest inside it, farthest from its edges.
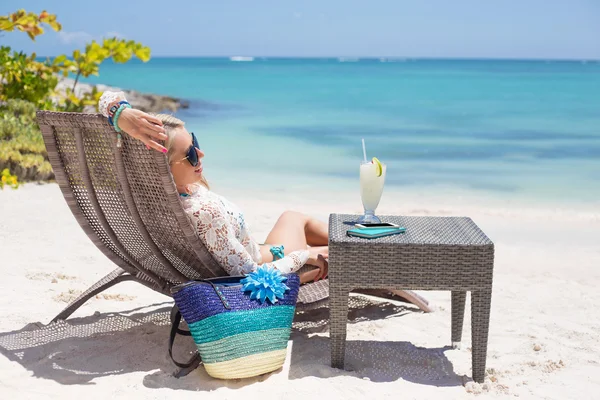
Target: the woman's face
(183, 172)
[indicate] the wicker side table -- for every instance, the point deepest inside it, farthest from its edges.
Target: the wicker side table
(435, 253)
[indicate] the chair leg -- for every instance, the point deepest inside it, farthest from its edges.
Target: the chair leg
(458, 315)
(116, 276)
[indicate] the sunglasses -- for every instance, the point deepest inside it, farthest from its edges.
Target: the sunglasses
(192, 154)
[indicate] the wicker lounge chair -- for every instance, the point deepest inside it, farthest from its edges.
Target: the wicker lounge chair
(125, 200)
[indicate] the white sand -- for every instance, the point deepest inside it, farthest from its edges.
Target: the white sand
(544, 331)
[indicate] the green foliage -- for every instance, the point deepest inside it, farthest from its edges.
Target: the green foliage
(29, 22)
(88, 62)
(22, 148)
(27, 84)
(8, 179)
(26, 78)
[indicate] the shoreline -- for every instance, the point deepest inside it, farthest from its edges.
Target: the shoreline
(147, 102)
(440, 201)
(429, 199)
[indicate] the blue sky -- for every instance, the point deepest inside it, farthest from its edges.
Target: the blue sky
(419, 28)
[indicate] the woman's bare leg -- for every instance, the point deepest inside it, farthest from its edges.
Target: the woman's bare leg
(289, 231)
(317, 232)
(298, 229)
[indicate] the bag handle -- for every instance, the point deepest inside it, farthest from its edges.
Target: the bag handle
(175, 320)
(182, 332)
(218, 292)
(211, 282)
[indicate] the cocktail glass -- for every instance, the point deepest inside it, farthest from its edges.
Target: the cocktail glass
(371, 188)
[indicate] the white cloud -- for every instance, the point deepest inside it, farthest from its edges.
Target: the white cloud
(297, 14)
(77, 38)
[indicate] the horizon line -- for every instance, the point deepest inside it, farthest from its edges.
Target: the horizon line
(406, 58)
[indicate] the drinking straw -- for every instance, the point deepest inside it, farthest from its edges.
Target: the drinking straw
(364, 150)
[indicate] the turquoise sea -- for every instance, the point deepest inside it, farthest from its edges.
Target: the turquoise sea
(519, 129)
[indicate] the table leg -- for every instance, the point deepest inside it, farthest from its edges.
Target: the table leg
(480, 321)
(458, 315)
(338, 318)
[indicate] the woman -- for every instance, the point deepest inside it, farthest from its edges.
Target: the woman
(294, 241)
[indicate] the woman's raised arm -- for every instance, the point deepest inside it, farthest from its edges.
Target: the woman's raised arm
(138, 124)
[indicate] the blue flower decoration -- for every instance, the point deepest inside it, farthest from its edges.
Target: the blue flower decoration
(265, 283)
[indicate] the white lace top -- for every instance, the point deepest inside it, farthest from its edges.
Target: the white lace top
(107, 98)
(221, 226)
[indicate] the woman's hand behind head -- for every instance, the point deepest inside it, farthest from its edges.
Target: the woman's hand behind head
(144, 127)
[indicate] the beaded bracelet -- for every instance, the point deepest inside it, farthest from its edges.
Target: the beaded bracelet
(113, 110)
(277, 252)
(116, 122)
(118, 114)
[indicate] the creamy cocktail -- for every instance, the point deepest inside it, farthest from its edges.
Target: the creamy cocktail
(372, 178)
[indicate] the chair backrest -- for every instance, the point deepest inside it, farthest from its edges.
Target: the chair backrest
(125, 200)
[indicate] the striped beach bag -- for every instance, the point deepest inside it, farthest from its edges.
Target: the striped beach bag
(241, 325)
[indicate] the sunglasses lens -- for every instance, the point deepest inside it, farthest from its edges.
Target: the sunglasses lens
(192, 154)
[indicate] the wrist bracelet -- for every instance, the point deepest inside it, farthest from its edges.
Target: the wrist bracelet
(116, 121)
(113, 110)
(277, 252)
(118, 114)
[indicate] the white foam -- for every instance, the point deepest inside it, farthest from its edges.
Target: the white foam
(241, 58)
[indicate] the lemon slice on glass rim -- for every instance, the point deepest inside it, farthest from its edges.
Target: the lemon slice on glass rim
(378, 166)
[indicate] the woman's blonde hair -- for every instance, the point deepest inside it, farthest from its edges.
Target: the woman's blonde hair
(171, 123)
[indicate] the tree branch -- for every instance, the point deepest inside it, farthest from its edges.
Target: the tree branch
(76, 79)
